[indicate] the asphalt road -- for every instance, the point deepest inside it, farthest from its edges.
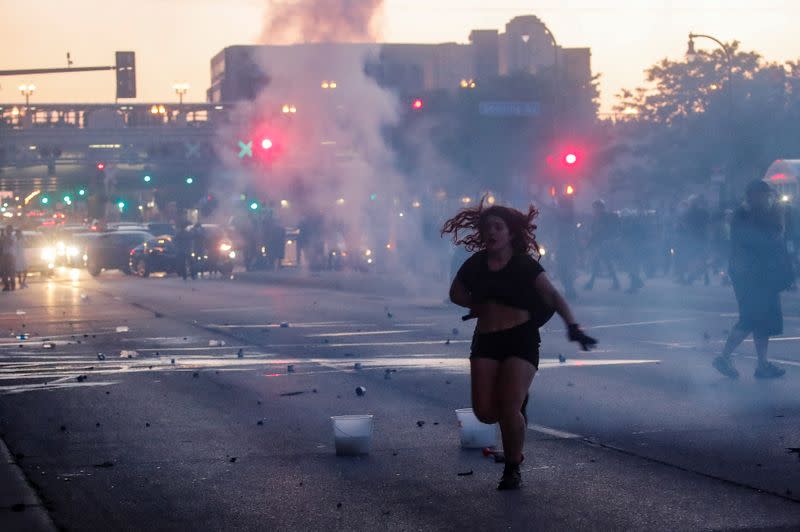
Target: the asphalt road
(173, 430)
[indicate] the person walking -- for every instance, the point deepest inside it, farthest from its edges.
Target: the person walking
(20, 262)
(760, 269)
(7, 259)
(603, 243)
(506, 289)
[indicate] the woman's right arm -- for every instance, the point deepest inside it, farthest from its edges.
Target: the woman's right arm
(459, 294)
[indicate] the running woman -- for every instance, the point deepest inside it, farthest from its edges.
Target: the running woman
(507, 290)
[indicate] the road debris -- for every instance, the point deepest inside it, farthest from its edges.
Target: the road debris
(105, 464)
(80, 378)
(290, 368)
(216, 343)
(420, 423)
(123, 328)
(290, 394)
(357, 365)
(21, 313)
(240, 353)
(128, 353)
(465, 473)
(285, 325)
(561, 358)
(48, 345)
(360, 391)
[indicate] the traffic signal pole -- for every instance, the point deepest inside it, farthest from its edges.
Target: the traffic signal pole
(32, 71)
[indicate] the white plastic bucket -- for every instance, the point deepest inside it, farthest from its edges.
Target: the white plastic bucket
(474, 434)
(352, 434)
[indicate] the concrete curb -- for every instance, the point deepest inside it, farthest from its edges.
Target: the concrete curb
(20, 506)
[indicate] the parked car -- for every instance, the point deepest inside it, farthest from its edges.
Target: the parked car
(213, 250)
(111, 250)
(156, 255)
(160, 228)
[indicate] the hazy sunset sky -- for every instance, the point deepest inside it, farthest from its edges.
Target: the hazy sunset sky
(175, 40)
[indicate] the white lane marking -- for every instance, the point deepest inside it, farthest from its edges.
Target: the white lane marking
(779, 339)
(778, 360)
(235, 309)
(553, 432)
(377, 344)
(292, 325)
(362, 333)
(20, 388)
(637, 323)
(430, 324)
(198, 348)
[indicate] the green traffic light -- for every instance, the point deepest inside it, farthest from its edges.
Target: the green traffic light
(45, 200)
(189, 180)
(254, 206)
(147, 179)
(81, 192)
(121, 205)
(67, 199)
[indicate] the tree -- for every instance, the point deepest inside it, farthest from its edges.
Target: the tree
(694, 120)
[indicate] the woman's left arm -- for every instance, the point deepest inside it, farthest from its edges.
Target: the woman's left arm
(556, 301)
(553, 298)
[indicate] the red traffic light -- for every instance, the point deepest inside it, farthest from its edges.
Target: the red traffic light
(570, 158)
(266, 144)
(417, 104)
(101, 166)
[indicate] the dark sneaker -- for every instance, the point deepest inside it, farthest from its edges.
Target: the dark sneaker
(511, 479)
(768, 371)
(725, 366)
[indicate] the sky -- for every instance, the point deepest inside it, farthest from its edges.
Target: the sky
(174, 40)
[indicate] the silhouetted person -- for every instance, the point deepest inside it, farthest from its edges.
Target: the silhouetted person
(566, 245)
(759, 270)
(602, 244)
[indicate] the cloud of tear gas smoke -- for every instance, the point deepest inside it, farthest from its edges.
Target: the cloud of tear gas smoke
(332, 164)
(315, 21)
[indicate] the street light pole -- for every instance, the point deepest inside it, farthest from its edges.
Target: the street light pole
(180, 90)
(27, 90)
(691, 55)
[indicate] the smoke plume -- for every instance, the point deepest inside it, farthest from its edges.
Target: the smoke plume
(318, 21)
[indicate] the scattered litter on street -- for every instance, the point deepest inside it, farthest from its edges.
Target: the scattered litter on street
(128, 353)
(80, 378)
(123, 328)
(290, 368)
(20, 313)
(360, 391)
(48, 345)
(357, 365)
(216, 343)
(290, 394)
(562, 358)
(285, 324)
(465, 473)
(240, 353)
(420, 423)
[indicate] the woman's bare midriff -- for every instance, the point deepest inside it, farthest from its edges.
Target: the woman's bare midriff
(496, 317)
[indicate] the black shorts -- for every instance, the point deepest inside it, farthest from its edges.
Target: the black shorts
(521, 341)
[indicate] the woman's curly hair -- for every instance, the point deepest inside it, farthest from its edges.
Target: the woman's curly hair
(473, 219)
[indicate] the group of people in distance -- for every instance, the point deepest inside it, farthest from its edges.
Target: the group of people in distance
(506, 289)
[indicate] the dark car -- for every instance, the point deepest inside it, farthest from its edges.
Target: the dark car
(212, 250)
(160, 228)
(111, 251)
(156, 255)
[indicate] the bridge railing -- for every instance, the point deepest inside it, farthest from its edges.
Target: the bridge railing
(112, 116)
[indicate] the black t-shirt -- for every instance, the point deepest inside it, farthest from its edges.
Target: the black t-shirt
(512, 285)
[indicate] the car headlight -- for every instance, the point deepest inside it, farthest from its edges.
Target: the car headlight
(232, 254)
(60, 248)
(72, 251)
(225, 247)
(48, 254)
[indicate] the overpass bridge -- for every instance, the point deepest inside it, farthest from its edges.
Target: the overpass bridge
(58, 146)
